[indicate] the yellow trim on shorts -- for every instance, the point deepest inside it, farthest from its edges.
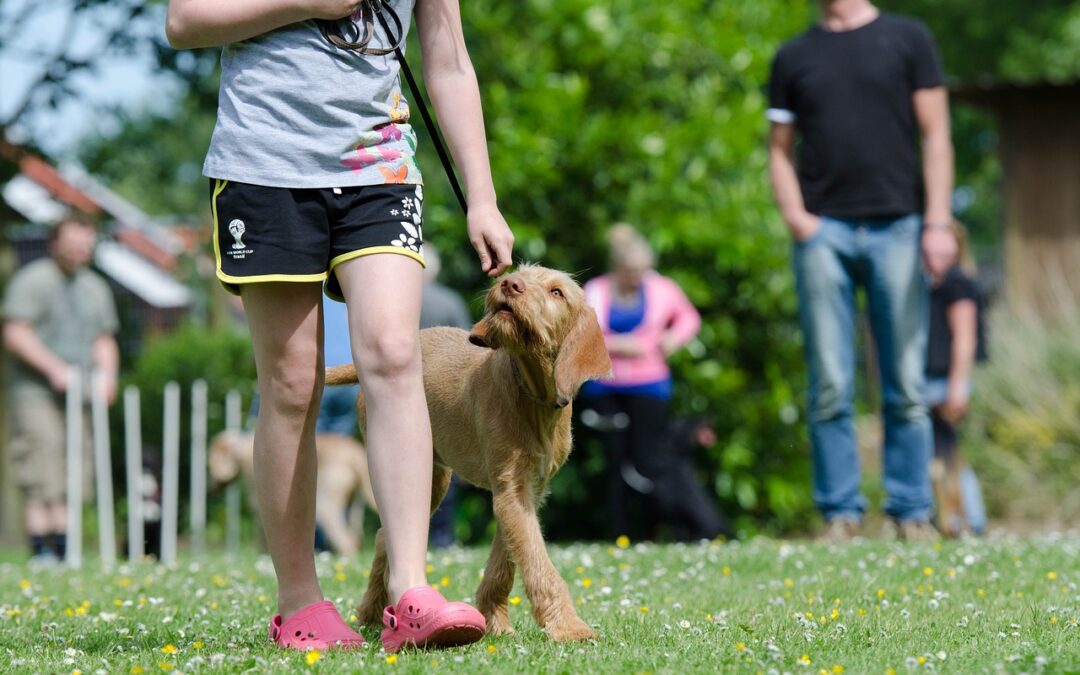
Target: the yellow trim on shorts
(228, 281)
(400, 250)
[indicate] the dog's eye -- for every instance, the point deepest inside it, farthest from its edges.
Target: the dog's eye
(557, 292)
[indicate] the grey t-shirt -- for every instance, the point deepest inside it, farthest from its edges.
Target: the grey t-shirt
(295, 111)
(66, 312)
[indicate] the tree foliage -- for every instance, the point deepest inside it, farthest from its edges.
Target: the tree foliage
(650, 113)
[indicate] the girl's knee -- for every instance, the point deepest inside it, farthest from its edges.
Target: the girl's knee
(389, 355)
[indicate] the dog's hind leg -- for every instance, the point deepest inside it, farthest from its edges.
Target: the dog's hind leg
(376, 598)
(491, 597)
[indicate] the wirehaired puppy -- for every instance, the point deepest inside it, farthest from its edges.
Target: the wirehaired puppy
(500, 404)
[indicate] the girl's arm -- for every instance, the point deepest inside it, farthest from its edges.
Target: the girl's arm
(963, 324)
(455, 95)
(685, 321)
(191, 24)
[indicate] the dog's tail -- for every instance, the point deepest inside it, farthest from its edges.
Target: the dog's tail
(341, 374)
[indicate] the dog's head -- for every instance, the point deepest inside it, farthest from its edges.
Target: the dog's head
(222, 459)
(540, 313)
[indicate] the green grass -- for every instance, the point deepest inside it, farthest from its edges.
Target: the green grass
(743, 607)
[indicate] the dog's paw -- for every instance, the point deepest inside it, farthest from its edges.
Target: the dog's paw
(498, 623)
(574, 630)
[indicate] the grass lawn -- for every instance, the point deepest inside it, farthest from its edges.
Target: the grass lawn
(763, 606)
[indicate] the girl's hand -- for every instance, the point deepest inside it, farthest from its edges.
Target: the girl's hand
(956, 405)
(626, 346)
(491, 237)
(331, 9)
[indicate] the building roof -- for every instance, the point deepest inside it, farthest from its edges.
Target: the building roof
(142, 252)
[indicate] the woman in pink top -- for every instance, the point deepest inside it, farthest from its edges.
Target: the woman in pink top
(645, 318)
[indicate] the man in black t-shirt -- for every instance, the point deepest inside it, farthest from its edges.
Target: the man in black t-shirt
(859, 91)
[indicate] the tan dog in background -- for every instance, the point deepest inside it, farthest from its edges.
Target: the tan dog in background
(343, 483)
(499, 400)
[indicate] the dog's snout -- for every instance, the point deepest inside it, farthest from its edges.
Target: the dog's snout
(513, 285)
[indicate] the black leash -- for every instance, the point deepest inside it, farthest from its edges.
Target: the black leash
(369, 10)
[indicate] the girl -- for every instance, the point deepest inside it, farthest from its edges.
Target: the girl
(313, 179)
(954, 343)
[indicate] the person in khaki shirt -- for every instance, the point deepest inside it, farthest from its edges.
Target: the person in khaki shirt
(58, 314)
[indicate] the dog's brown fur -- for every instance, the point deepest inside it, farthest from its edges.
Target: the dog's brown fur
(343, 482)
(506, 432)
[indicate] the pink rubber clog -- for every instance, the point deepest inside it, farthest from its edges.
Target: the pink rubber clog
(424, 618)
(317, 626)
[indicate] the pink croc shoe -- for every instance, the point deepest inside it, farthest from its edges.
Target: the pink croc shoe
(317, 626)
(424, 618)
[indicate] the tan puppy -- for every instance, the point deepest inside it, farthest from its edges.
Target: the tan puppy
(499, 400)
(343, 476)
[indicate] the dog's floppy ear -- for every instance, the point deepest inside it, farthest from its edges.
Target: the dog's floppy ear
(481, 334)
(583, 356)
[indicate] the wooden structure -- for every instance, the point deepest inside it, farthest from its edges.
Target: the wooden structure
(1039, 145)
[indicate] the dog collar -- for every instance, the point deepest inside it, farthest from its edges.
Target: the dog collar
(525, 388)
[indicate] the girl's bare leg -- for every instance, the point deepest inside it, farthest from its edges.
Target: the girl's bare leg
(383, 293)
(285, 319)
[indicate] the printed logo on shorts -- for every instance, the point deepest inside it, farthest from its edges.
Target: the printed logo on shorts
(239, 248)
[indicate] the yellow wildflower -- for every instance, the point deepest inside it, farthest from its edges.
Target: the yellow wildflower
(805, 659)
(740, 646)
(928, 571)
(1051, 575)
(491, 649)
(169, 649)
(838, 669)
(198, 644)
(445, 581)
(515, 601)
(725, 570)
(622, 541)
(165, 665)
(24, 584)
(312, 657)
(586, 582)
(392, 659)
(136, 670)
(788, 582)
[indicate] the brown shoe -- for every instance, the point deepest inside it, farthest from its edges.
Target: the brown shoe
(840, 530)
(910, 530)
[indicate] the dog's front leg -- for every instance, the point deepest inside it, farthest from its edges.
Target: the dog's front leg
(552, 606)
(494, 591)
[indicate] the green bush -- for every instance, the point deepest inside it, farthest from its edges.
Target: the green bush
(1023, 433)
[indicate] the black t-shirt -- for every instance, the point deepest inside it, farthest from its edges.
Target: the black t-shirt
(956, 286)
(849, 94)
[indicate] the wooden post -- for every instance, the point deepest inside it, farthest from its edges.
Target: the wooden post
(170, 474)
(73, 419)
(99, 408)
(232, 492)
(198, 467)
(134, 470)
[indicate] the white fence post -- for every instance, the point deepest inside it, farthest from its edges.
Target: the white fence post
(232, 492)
(73, 421)
(99, 408)
(198, 467)
(133, 466)
(170, 474)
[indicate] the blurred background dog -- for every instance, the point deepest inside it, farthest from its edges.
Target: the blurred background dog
(343, 491)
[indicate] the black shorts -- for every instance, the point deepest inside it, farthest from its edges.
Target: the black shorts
(292, 234)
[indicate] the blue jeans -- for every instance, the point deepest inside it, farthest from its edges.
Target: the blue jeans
(882, 256)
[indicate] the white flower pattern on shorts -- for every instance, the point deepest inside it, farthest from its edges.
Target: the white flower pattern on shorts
(412, 236)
